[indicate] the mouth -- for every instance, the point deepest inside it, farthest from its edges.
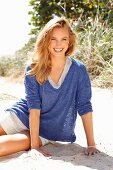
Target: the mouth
(58, 49)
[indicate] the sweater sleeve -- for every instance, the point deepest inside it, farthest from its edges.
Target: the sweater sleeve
(32, 91)
(84, 92)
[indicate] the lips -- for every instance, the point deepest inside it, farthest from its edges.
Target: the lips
(58, 49)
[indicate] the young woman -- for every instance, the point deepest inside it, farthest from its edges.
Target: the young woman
(57, 87)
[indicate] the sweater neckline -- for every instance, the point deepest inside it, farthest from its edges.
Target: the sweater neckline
(58, 88)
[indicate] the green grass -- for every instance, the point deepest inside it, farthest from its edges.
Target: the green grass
(95, 49)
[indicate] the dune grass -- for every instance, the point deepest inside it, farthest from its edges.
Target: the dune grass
(95, 49)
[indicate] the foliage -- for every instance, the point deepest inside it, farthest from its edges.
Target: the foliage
(95, 32)
(15, 64)
(5, 65)
(95, 49)
(43, 10)
(105, 79)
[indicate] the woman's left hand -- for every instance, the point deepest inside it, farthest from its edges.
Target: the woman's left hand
(91, 150)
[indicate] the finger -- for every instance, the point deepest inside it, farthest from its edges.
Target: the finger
(88, 151)
(45, 153)
(97, 151)
(91, 153)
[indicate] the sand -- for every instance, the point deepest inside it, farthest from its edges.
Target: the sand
(65, 155)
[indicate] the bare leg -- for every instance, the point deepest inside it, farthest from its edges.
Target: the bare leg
(10, 144)
(2, 132)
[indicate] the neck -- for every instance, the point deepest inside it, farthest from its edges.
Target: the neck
(58, 62)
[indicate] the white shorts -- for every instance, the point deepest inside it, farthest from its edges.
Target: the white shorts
(12, 124)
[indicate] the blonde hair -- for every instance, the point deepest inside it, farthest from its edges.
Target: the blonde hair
(41, 61)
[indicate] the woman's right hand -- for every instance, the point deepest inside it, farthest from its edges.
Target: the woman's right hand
(40, 152)
(44, 152)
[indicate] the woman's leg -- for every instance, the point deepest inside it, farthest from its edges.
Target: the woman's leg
(13, 143)
(10, 144)
(2, 132)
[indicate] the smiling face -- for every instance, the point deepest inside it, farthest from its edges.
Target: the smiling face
(59, 42)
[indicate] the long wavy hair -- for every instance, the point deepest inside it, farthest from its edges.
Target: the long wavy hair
(41, 61)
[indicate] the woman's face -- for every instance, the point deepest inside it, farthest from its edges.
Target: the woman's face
(59, 42)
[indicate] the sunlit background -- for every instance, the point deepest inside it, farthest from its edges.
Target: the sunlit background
(14, 28)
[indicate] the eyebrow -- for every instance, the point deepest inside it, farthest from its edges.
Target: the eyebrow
(56, 37)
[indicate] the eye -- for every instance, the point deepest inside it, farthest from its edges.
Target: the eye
(64, 39)
(52, 38)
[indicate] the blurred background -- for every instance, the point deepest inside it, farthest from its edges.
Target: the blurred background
(14, 27)
(20, 22)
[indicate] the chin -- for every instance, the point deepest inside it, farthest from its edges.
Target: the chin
(58, 54)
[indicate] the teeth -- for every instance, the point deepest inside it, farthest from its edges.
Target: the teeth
(58, 49)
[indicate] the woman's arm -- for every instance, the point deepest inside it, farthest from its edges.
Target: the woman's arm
(34, 123)
(88, 128)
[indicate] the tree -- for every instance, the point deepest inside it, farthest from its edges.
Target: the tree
(43, 10)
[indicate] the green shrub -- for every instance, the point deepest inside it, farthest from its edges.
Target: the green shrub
(5, 65)
(15, 64)
(95, 47)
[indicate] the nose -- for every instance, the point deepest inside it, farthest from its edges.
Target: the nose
(58, 42)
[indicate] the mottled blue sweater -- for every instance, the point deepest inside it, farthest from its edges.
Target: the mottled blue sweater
(59, 107)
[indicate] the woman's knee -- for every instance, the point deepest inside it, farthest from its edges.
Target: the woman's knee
(10, 144)
(2, 132)
(2, 151)
(3, 147)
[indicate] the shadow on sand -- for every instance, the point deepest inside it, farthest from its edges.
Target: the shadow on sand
(74, 154)
(65, 156)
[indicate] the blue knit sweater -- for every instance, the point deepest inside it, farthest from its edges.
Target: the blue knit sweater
(58, 107)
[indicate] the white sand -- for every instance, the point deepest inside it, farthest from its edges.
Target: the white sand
(66, 156)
